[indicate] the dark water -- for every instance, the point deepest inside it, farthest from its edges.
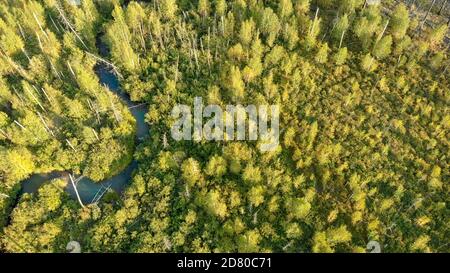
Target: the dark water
(89, 190)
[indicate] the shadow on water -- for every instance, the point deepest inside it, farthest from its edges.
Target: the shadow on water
(89, 190)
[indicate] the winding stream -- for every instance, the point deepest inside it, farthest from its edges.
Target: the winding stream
(89, 190)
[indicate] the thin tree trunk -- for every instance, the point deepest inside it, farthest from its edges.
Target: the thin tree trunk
(442, 7)
(71, 70)
(426, 15)
(76, 190)
(26, 54)
(94, 109)
(382, 33)
(18, 95)
(17, 67)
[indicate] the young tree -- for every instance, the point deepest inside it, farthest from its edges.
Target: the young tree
(18, 163)
(191, 172)
(320, 243)
(298, 208)
(249, 241)
(118, 36)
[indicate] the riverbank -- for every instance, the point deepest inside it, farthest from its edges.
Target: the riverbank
(90, 191)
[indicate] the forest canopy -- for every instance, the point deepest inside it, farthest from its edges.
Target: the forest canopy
(363, 93)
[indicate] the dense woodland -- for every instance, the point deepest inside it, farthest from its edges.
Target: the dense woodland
(364, 98)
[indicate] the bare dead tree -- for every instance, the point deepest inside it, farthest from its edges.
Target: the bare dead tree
(176, 68)
(16, 66)
(4, 195)
(57, 74)
(342, 39)
(94, 109)
(70, 145)
(20, 125)
(287, 245)
(311, 31)
(3, 132)
(53, 22)
(165, 142)
(100, 193)
(426, 15)
(444, 4)
(95, 134)
(114, 68)
(116, 114)
(39, 24)
(35, 99)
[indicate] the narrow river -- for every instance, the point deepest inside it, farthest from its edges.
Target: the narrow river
(89, 190)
